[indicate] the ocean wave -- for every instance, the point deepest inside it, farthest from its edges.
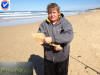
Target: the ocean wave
(16, 17)
(21, 14)
(22, 17)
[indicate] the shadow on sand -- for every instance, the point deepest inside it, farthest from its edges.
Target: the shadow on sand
(38, 64)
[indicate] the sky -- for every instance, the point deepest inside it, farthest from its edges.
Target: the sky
(65, 5)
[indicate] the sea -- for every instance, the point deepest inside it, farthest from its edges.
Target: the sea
(11, 18)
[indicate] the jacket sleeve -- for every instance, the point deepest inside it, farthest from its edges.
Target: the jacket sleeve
(65, 35)
(41, 28)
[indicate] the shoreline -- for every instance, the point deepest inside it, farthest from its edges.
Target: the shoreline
(10, 21)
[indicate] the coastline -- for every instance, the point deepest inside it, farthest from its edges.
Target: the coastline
(12, 18)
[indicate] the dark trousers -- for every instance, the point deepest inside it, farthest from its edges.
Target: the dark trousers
(60, 68)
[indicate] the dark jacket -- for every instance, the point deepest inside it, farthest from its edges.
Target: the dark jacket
(62, 34)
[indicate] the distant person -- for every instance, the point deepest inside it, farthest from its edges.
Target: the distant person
(58, 31)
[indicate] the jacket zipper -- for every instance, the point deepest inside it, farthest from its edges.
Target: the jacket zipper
(54, 38)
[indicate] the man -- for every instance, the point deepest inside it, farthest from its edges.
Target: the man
(58, 31)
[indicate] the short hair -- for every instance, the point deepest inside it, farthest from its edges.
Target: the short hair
(53, 6)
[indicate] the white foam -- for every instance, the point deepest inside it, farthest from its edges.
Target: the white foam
(19, 17)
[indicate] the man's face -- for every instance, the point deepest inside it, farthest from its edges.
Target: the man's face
(53, 15)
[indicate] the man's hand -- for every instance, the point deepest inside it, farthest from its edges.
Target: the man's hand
(47, 40)
(58, 48)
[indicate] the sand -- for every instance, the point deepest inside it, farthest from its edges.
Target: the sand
(85, 45)
(17, 45)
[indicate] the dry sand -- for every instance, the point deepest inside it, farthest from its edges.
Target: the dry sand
(85, 46)
(17, 44)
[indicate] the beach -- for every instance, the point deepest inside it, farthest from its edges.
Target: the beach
(18, 45)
